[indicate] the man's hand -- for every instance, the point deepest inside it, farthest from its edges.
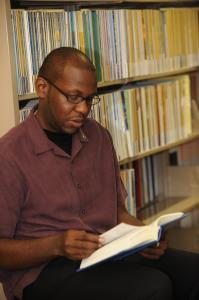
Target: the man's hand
(151, 253)
(20, 254)
(78, 244)
(155, 252)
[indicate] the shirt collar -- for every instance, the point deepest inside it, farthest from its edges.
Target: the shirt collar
(42, 144)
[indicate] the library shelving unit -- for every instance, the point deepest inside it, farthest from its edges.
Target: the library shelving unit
(9, 113)
(143, 64)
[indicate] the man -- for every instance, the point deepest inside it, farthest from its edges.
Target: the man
(60, 188)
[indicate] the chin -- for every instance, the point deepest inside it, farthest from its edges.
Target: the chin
(69, 130)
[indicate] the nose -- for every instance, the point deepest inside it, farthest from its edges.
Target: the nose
(82, 107)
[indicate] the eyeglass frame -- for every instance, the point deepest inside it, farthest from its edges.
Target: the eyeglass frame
(68, 97)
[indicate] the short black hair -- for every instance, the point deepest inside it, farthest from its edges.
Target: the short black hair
(55, 62)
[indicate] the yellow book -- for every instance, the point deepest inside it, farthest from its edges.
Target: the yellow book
(169, 39)
(155, 115)
(130, 42)
(135, 43)
(144, 118)
(140, 39)
(161, 116)
(156, 39)
(150, 116)
(140, 120)
(135, 126)
(80, 31)
(186, 105)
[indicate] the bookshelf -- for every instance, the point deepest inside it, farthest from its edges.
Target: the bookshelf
(160, 149)
(9, 114)
(169, 206)
(154, 71)
(102, 86)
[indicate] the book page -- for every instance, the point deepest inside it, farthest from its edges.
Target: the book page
(117, 231)
(166, 219)
(124, 238)
(132, 240)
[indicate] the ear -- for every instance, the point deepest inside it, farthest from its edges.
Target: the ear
(41, 87)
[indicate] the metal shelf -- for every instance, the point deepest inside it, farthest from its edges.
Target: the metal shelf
(164, 206)
(100, 3)
(160, 149)
(108, 86)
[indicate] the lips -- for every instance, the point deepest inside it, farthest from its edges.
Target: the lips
(76, 122)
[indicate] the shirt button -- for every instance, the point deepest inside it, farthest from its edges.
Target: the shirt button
(83, 211)
(79, 185)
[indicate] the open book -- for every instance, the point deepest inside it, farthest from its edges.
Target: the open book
(125, 239)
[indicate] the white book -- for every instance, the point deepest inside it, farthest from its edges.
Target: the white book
(125, 239)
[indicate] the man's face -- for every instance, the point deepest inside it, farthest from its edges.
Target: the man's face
(57, 113)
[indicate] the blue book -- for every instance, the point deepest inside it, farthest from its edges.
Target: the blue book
(125, 239)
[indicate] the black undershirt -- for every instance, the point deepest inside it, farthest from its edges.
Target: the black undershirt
(61, 139)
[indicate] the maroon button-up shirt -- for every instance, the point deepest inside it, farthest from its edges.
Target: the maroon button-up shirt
(44, 191)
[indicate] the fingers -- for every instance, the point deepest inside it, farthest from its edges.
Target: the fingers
(164, 244)
(155, 252)
(82, 240)
(80, 244)
(152, 253)
(78, 254)
(89, 237)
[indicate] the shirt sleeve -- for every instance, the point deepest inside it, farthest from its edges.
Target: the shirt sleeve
(11, 196)
(121, 191)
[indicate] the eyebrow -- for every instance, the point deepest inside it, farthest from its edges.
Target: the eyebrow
(68, 93)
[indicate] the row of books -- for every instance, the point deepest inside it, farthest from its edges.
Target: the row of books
(144, 180)
(122, 43)
(152, 180)
(26, 109)
(144, 118)
(128, 179)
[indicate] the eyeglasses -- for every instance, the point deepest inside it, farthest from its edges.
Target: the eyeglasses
(75, 99)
